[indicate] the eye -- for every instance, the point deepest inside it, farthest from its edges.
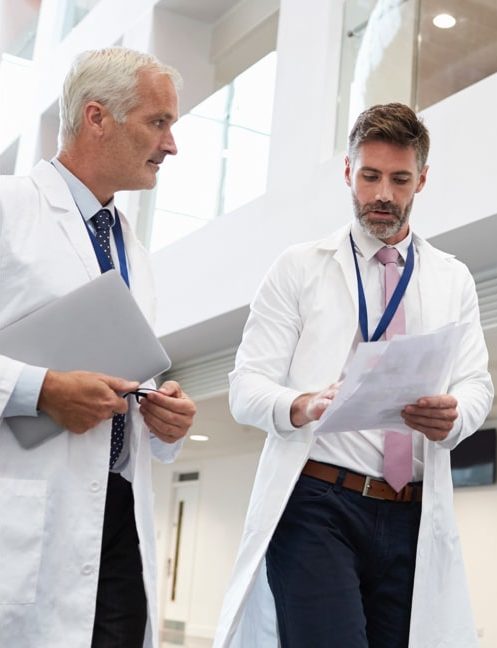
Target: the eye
(159, 123)
(401, 180)
(370, 177)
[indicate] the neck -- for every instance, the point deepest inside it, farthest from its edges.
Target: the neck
(89, 174)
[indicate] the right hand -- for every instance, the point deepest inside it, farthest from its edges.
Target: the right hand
(309, 407)
(80, 400)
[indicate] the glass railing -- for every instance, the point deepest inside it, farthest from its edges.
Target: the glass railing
(412, 51)
(223, 149)
(76, 10)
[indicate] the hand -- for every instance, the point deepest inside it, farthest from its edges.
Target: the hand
(309, 407)
(80, 400)
(168, 412)
(434, 416)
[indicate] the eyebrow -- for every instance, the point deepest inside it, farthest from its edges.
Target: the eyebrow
(399, 172)
(164, 115)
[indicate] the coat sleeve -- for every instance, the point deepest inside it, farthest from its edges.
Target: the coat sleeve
(10, 371)
(470, 384)
(257, 384)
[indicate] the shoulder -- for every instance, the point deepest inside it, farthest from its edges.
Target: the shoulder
(303, 254)
(456, 272)
(429, 251)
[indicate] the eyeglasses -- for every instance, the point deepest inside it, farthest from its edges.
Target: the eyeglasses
(140, 393)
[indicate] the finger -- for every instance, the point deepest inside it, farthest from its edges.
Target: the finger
(174, 404)
(424, 423)
(447, 414)
(163, 428)
(171, 388)
(119, 384)
(165, 416)
(316, 407)
(120, 406)
(441, 401)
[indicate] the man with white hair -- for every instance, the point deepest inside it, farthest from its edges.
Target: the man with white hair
(77, 555)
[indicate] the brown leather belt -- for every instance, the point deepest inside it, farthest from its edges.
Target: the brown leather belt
(367, 486)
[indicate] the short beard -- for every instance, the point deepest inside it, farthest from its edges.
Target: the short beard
(381, 231)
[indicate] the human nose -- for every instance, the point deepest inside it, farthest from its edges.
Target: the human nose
(168, 144)
(384, 191)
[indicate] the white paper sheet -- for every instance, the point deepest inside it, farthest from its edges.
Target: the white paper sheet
(383, 377)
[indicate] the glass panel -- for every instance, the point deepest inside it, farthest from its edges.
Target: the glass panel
(246, 167)
(377, 60)
(15, 83)
(18, 23)
(223, 149)
(453, 58)
(393, 51)
(76, 10)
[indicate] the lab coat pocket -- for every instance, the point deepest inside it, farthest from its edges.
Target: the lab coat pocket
(22, 521)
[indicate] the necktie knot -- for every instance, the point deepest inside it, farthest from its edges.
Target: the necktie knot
(387, 255)
(102, 220)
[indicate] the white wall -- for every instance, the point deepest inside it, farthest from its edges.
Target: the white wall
(476, 514)
(225, 485)
(307, 198)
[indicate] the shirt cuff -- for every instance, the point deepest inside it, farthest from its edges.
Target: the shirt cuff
(24, 398)
(281, 411)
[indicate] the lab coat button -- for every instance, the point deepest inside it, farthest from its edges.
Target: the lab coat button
(86, 570)
(95, 486)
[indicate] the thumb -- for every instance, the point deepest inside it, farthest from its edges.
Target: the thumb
(171, 388)
(120, 384)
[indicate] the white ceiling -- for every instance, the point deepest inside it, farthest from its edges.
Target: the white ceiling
(225, 436)
(208, 11)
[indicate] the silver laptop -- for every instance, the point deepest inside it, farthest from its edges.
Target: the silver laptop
(97, 327)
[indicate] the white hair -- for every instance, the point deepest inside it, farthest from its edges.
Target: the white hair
(108, 76)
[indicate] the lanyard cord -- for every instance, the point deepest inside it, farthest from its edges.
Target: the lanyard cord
(394, 302)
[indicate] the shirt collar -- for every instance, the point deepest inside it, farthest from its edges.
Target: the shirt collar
(85, 200)
(367, 246)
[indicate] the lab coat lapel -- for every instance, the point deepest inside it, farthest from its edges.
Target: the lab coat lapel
(63, 208)
(339, 245)
(435, 280)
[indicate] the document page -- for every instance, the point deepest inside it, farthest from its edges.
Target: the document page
(384, 377)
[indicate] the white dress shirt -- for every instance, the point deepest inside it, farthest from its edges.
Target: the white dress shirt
(362, 451)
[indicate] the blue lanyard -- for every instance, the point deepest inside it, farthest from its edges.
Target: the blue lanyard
(394, 302)
(103, 260)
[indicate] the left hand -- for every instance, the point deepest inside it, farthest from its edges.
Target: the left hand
(168, 412)
(434, 416)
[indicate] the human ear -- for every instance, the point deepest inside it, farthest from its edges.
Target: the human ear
(422, 178)
(348, 170)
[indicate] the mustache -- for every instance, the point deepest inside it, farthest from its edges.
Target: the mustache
(388, 207)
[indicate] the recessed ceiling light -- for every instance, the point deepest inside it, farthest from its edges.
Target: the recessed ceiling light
(444, 21)
(199, 437)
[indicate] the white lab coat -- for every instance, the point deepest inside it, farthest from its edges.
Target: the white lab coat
(297, 339)
(52, 497)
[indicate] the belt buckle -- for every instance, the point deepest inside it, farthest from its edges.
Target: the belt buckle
(366, 487)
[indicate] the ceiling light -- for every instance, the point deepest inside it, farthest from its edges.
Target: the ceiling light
(444, 21)
(199, 437)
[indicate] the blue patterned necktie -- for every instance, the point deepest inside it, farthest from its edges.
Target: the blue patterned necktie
(101, 221)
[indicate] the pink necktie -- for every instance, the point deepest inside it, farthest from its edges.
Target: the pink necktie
(397, 460)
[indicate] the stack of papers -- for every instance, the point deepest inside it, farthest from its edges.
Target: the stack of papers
(383, 377)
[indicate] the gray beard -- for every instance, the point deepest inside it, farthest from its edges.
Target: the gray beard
(381, 231)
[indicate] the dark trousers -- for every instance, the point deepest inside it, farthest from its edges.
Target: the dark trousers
(121, 611)
(341, 568)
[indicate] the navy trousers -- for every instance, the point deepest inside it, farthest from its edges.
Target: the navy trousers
(341, 568)
(121, 610)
